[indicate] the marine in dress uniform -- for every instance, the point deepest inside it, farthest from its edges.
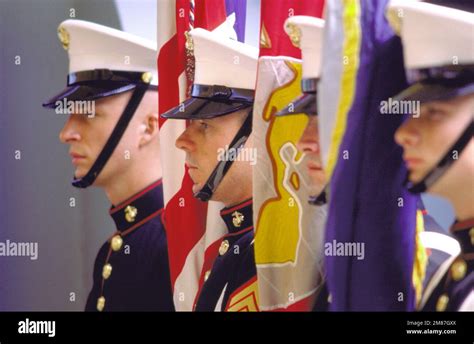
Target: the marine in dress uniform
(224, 83)
(307, 33)
(438, 243)
(234, 268)
(439, 60)
(131, 272)
(451, 287)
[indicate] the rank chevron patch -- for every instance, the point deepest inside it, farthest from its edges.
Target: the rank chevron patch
(244, 299)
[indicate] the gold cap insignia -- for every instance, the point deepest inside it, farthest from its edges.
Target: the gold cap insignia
(189, 42)
(294, 33)
(63, 37)
(130, 213)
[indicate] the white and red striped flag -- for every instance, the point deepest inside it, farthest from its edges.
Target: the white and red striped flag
(193, 228)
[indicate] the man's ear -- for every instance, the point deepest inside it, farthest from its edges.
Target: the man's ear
(148, 128)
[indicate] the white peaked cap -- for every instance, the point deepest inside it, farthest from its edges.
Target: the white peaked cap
(92, 46)
(307, 33)
(432, 35)
(223, 61)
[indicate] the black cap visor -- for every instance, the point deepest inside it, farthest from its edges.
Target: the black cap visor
(304, 104)
(202, 108)
(209, 101)
(427, 92)
(87, 92)
(99, 83)
(438, 83)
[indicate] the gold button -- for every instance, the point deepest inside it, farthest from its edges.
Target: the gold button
(471, 234)
(116, 243)
(100, 303)
(442, 303)
(106, 271)
(223, 248)
(206, 275)
(130, 213)
(458, 269)
(146, 77)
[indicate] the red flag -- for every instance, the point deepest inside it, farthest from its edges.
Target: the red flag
(273, 39)
(190, 247)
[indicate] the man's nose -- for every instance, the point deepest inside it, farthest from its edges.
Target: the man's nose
(70, 131)
(407, 134)
(308, 141)
(185, 141)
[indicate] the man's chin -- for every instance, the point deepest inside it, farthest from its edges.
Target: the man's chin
(79, 173)
(414, 177)
(196, 187)
(318, 182)
(436, 188)
(316, 191)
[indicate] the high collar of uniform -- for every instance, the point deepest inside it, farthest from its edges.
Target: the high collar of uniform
(139, 208)
(464, 233)
(238, 217)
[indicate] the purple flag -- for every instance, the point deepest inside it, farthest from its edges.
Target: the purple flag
(370, 236)
(239, 7)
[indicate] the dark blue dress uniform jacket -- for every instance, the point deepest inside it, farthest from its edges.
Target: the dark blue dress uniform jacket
(453, 290)
(131, 271)
(231, 283)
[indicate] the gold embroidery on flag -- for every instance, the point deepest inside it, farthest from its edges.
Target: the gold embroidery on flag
(277, 241)
(265, 41)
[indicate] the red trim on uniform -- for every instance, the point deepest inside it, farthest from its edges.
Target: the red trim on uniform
(424, 212)
(238, 206)
(138, 224)
(468, 256)
(462, 225)
(122, 234)
(239, 232)
(106, 261)
(134, 197)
